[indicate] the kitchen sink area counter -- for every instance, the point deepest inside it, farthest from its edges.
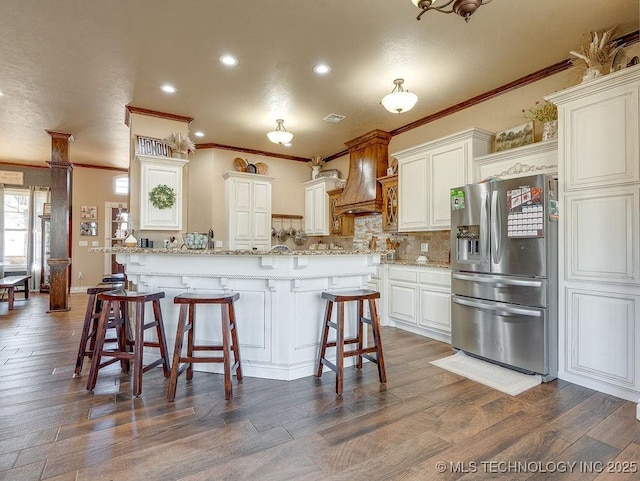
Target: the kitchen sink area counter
(280, 309)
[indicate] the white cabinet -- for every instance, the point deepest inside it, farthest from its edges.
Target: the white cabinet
(413, 192)
(435, 300)
(599, 255)
(156, 172)
(537, 158)
(248, 210)
(316, 205)
(427, 172)
(418, 300)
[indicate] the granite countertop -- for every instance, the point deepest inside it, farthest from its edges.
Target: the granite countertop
(221, 252)
(414, 263)
(293, 252)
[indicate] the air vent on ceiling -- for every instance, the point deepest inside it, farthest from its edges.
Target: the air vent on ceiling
(334, 118)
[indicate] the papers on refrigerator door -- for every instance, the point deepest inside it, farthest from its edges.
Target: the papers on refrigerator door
(525, 217)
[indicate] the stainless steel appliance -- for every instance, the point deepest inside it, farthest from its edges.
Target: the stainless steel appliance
(504, 237)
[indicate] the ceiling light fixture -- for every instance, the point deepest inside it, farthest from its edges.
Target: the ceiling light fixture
(322, 69)
(170, 89)
(280, 135)
(399, 100)
(464, 8)
(228, 60)
(199, 134)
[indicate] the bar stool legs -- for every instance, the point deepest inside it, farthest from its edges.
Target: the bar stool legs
(186, 324)
(89, 327)
(118, 301)
(360, 350)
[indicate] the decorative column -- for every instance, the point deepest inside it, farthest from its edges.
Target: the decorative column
(59, 260)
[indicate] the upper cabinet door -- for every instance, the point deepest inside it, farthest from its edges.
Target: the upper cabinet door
(317, 210)
(412, 194)
(599, 122)
(449, 167)
(154, 172)
(248, 210)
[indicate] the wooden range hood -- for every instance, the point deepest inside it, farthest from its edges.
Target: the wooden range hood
(368, 160)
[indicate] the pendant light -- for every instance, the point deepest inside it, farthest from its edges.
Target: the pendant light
(464, 8)
(280, 135)
(399, 100)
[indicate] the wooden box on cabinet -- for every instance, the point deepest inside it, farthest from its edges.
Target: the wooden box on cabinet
(338, 224)
(389, 202)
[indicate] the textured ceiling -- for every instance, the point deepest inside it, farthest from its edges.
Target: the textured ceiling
(72, 66)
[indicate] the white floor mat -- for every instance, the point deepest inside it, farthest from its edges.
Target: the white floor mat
(506, 380)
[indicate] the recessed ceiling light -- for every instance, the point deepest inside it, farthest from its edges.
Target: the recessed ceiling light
(170, 89)
(198, 134)
(322, 69)
(228, 60)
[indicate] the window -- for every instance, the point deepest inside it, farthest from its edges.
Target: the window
(16, 228)
(122, 184)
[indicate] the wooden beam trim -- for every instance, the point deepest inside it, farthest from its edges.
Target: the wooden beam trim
(130, 109)
(211, 145)
(101, 167)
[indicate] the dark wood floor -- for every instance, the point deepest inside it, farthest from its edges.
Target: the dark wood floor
(423, 420)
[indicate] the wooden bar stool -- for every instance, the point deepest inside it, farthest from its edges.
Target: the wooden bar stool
(118, 302)
(89, 327)
(360, 350)
(186, 324)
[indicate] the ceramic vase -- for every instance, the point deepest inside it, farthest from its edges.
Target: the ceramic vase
(315, 172)
(550, 130)
(131, 241)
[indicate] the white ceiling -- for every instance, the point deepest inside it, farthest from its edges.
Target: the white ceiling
(73, 65)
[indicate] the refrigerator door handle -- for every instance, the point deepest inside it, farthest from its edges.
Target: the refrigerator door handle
(484, 228)
(498, 281)
(496, 227)
(499, 310)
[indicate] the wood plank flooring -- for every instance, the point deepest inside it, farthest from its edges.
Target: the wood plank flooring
(425, 424)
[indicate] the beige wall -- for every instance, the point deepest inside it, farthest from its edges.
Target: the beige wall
(206, 188)
(91, 187)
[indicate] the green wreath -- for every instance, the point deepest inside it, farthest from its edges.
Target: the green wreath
(162, 197)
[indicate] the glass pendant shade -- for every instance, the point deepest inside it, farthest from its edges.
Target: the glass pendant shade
(399, 100)
(280, 134)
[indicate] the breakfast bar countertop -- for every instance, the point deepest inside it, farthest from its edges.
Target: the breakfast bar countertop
(221, 252)
(276, 252)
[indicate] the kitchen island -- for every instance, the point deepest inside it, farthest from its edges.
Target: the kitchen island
(280, 309)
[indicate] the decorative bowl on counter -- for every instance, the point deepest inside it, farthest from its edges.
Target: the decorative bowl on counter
(195, 240)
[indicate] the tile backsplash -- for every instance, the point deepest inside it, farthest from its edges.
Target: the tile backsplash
(367, 226)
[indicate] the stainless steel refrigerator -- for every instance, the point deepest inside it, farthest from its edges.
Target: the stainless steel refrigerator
(504, 237)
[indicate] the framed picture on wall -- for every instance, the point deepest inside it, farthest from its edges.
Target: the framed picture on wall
(89, 212)
(89, 228)
(515, 137)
